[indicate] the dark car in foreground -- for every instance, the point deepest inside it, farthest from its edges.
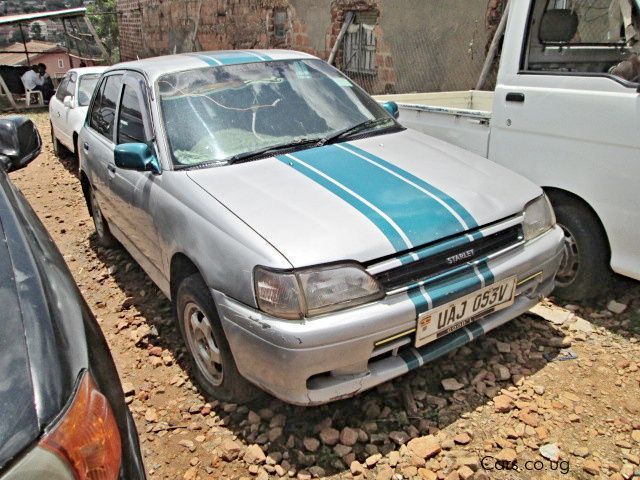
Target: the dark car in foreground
(62, 409)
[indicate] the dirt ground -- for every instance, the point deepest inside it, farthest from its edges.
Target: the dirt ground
(514, 411)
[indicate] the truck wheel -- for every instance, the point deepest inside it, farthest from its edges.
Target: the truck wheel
(215, 368)
(56, 145)
(584, 271)
(105, 238)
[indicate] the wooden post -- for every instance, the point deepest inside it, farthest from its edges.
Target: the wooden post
(343, 31)
(24, 44)
(493, 48)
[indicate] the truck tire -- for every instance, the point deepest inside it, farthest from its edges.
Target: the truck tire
(584, 272)
(105, 238)
(56, 145)
(213, 364)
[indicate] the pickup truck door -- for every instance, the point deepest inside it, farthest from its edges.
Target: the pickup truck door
(135, 190)
(97, 144)
(580, 134)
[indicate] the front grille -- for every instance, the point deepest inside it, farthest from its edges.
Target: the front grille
(437, 264)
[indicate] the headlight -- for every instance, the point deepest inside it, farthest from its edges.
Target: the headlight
(538, 217)
(313, 291)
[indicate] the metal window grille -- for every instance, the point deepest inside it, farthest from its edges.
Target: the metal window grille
(360, 49)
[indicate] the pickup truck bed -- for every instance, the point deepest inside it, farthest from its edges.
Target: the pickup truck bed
(461, 118)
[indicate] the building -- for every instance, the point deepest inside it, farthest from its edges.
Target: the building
(391, 46)
(53, 56)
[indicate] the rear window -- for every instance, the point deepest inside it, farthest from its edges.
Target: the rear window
(87, 86)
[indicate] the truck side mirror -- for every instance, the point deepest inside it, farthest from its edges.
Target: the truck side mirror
(20, 142)
(68, 101)
(392, 108)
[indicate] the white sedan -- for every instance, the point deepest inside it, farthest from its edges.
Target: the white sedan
(68, 108)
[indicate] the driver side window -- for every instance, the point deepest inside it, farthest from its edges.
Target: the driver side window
(130, 121)
(62, 90)
(584, 37)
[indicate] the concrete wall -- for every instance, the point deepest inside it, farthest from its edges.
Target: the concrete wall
(422, 45)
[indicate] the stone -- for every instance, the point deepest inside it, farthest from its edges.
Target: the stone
(253, 418)
(472, 462)
(465, 473)
(348, 436)
(503, 404)
(581, 325)
(316, 471)
(230, 449)
(384, 473)
(616, 307)
(462, 439)
(507, 455)
(426, 474)
(356, 468)
(502, 373)
(591, 467)
(329, 436)
(302, 475)
(394, 458)
(151, 415)
(424, 447)
(555, 315)
(254, 455)
(399, 437)
(188, 444)
(635, 435)
(311, 444)
(627, 471)
(128, 389)
(503, 347)
(274, 433)
(539, 389)
(342, 450)
(550, 451)
(373, 459)
(528, 419)
(451, 385)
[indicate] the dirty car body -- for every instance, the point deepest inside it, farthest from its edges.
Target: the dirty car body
(332, 253)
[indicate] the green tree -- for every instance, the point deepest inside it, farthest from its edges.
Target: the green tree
(36, 31)
(102, 14)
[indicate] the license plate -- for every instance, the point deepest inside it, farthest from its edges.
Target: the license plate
(459, 313)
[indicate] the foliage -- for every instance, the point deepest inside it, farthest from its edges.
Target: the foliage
(36, 31)
(102, 14)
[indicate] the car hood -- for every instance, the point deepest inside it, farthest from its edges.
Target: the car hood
(366, 199)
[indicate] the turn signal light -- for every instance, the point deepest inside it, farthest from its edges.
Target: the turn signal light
(87, 437)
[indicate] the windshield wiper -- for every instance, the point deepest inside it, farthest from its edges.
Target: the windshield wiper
(347, 132)
(244, 157)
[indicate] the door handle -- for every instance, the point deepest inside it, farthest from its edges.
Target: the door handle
(86, 146)
(515, 97)
(111, 168)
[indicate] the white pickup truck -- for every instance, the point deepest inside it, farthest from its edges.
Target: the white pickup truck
(566, 114)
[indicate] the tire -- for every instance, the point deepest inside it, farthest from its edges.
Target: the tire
(57, 146)
(213, 364)
(105, 238)
(584, 273)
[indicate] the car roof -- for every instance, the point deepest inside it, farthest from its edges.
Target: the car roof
(156, 66)
(87, 70)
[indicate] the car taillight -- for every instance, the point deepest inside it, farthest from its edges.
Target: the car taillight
(87, 437)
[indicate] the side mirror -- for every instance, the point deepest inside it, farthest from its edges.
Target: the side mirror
(19, 142)
(68, 101)
(136, 156)
(392, 108)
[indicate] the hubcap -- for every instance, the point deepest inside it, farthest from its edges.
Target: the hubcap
(202, 344)
(98, 221)
(570, 263)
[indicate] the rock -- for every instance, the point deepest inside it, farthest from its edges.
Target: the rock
(254, 455)
(465, 473)
(373, 459)
(424, 447)
(550, 451)
(581, 452)
(627, 471)
(316, 471)
(329, 436)
(384, 473)
(128, 389)
(356, 468)
(151, 415)
(503, 347)
(539, 389)
(591, 467)
(635, 435)
(342, 450)
(278, 421)
(188, 444)
(394, 458)
(253, 418)
(426, 474)
(503, 404)
(348, 436)
(472, 462)
(262, 475)
(462, 439)
(190, 474)
(311, 444)
(555, 315)
(616, 307)
(303, 475)
(581, 325)
(230, 449)
(507, 455)
(274, 433)
(399, 437)
(528, 419)
(502, 373)
(451, 385)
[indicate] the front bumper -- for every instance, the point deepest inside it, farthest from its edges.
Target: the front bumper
(335, 356)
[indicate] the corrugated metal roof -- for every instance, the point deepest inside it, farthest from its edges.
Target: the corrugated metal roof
(29, 17)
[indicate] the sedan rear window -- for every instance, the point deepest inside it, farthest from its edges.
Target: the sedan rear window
(85, 89)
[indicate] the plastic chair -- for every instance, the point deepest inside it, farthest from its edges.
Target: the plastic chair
(30, 95)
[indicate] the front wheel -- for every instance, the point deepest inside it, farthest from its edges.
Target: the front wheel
(105, 238)
(56, 145)
(215, 368)
(584, 271)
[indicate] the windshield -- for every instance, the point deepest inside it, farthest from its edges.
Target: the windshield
(86, 88)
(215, 113)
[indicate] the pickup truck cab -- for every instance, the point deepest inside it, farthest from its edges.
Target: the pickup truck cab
(565, 114)
(310, 244)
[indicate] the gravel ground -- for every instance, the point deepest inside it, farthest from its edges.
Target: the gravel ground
(516, 403)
